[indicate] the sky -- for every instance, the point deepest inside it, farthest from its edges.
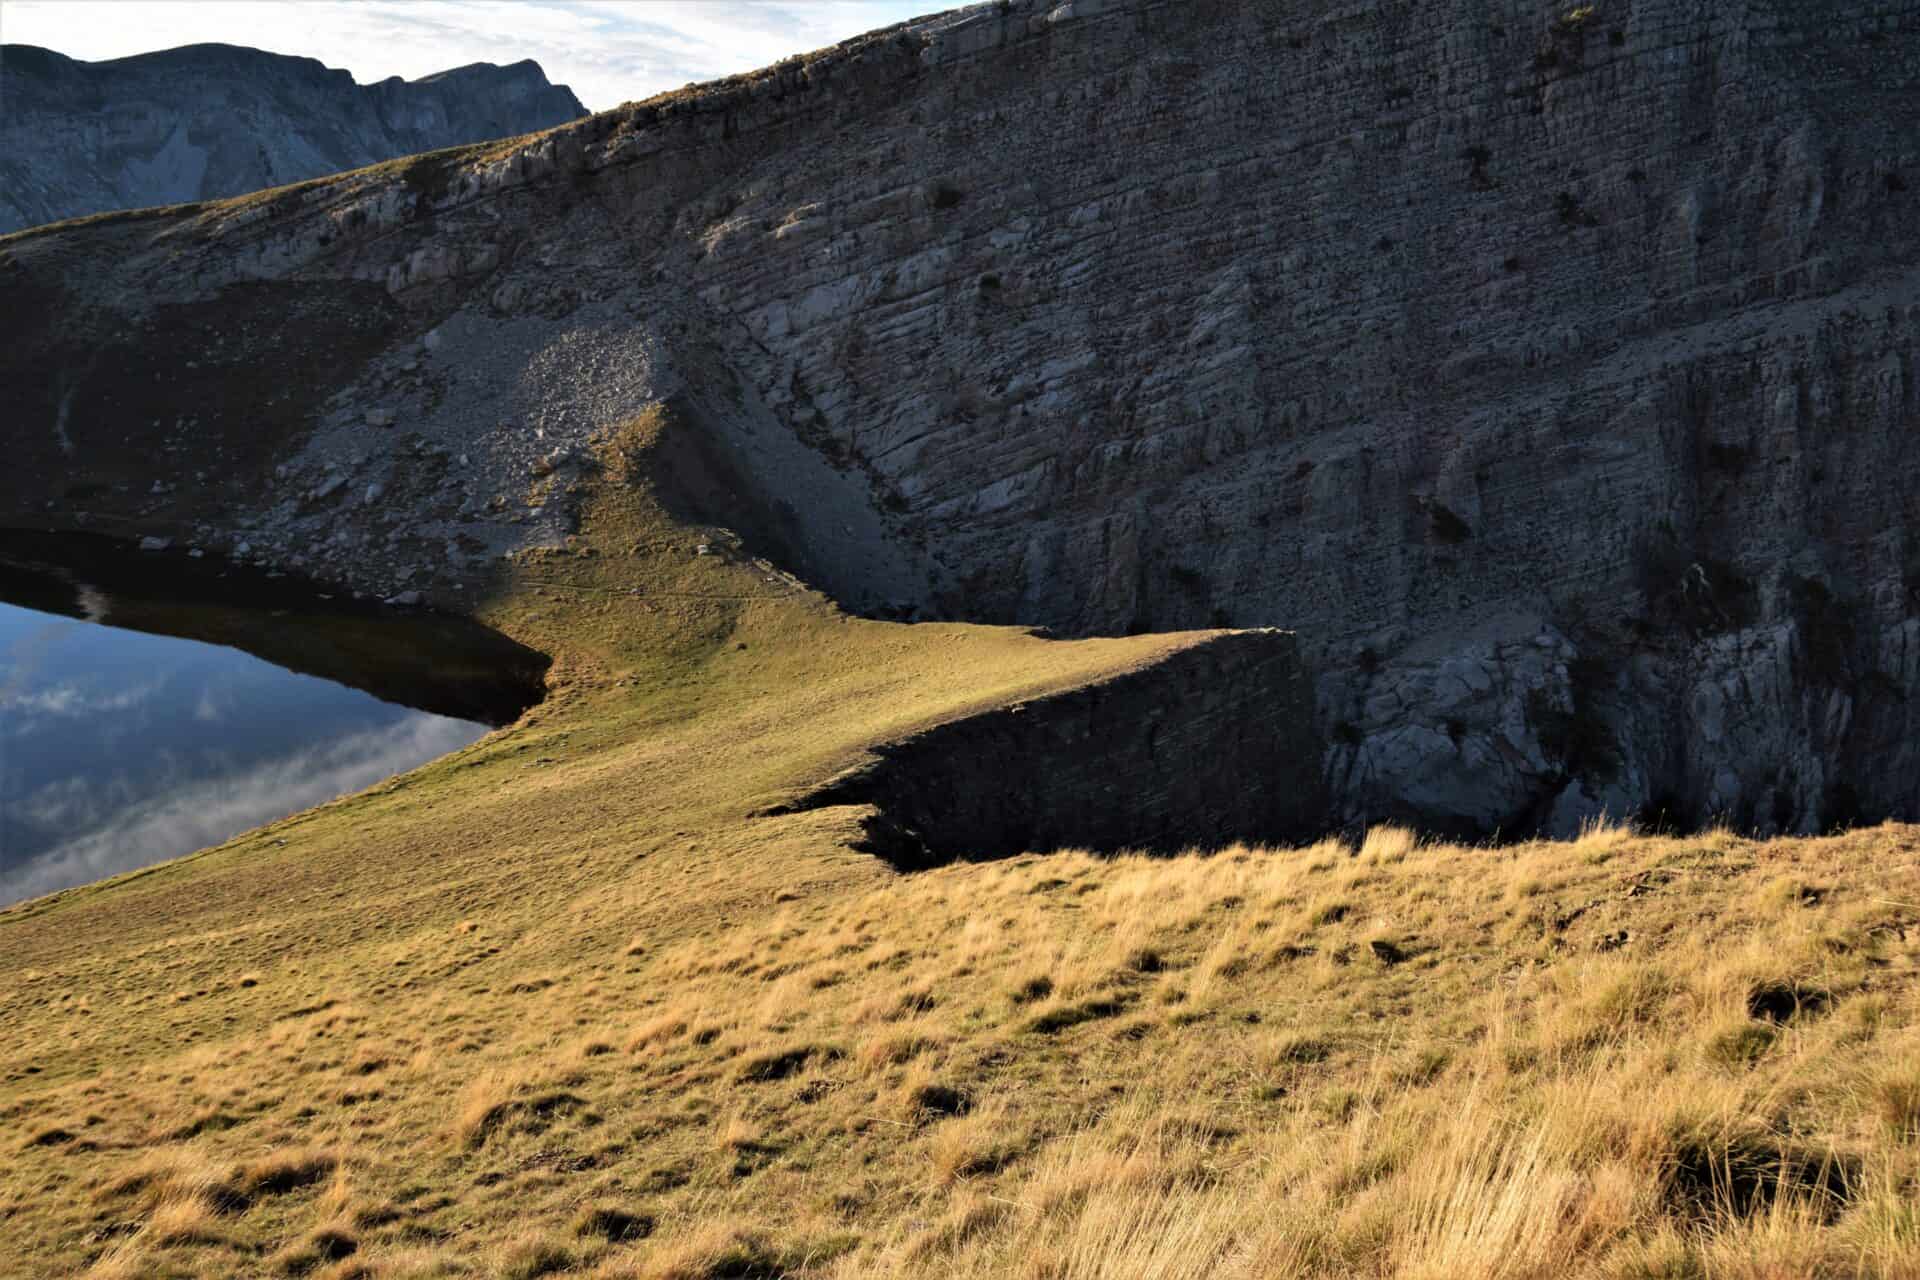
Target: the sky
(608, 51)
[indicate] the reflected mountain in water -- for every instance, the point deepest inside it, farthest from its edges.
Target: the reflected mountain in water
(121, 747)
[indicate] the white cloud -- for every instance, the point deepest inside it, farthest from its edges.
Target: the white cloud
(207, 813)
(70, 700)
(609, 51)
(213, 704)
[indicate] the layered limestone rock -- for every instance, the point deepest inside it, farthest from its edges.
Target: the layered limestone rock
(212, 120)
(1212, 745)
(1549, 369)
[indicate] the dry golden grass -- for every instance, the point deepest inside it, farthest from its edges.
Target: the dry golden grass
(1621, 1056)
(1537, 1086)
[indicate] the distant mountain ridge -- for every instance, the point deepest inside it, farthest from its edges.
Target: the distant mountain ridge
(211, 120)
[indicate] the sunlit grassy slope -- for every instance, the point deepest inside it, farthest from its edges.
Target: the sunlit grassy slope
(561, 1004)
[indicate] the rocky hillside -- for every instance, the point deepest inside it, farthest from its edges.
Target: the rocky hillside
(213, 120)
(1548, 369)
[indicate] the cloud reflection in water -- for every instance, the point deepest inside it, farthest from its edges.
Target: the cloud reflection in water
(119, 749)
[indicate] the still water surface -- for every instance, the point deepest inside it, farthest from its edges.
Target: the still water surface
(120, 748)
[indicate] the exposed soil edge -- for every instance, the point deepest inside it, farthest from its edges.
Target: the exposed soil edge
(1213, 745)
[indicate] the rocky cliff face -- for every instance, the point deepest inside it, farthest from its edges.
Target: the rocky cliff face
(1161, 759)
(211, 120)
(1550, 370)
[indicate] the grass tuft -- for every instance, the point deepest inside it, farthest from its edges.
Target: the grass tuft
(530, 1257)
(1896, 1098)
(612, 1224)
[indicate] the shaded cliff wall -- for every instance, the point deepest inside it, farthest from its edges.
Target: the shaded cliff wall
(1210, 746)
(205, 121)
(1548, 370)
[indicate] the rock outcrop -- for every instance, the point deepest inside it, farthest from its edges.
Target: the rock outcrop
(1211, 745)
(212, 120)
(1549, 369)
